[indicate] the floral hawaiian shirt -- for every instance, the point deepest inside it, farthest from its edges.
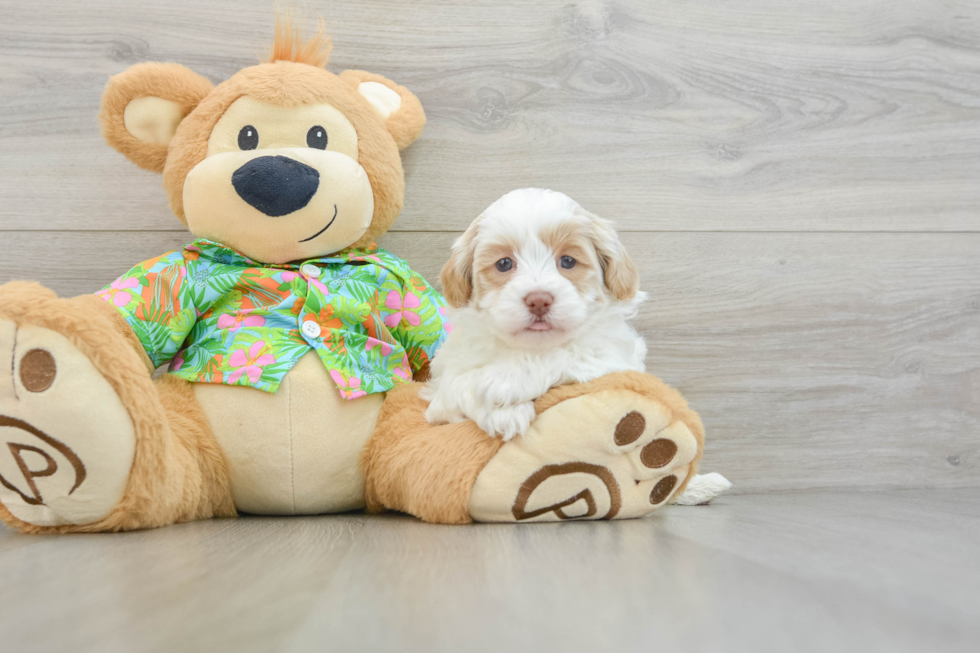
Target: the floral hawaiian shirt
(218, 317)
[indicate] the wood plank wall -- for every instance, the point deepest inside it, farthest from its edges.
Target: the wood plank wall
(799, 183)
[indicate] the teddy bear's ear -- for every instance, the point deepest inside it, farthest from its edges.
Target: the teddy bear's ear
(396, 105)
(142, 106)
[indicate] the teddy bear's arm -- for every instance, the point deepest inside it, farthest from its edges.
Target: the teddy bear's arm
(159, 302)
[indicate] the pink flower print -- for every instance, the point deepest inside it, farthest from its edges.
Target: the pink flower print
(238, 319)
(288, 276)
(405, 371)
(119, 291)
(250, 364)
(178, 361)
(350, 387)
(374, 342)
(316, 283)
(448, 326)
(402, 309)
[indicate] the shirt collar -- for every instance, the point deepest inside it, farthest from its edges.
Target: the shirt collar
(372, 253)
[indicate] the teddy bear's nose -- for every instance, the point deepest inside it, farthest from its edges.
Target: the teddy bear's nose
(276, 185)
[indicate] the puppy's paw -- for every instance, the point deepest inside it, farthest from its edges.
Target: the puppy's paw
(439, 413)
(496, 391)
(507, 422)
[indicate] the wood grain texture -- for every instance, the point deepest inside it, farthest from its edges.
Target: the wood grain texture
(781, 171)
(815, 360)
(750, 116)
(222, 585)
(815, 571)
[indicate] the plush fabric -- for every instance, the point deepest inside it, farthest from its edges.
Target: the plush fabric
(168, 81)
(153, 120)
(56, 467)
(424, 470)
(642, 384)
(121, 451)
(177, 474)
(406, 123)
(596, 446)
(294, 452)
(573, 463)
(286, 83)
(289, 44)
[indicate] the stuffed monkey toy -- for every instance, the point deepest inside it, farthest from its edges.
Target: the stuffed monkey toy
(289, 339)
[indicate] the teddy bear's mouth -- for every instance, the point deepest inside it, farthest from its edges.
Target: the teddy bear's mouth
(325, 228)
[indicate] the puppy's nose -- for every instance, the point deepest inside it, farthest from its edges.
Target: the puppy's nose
(276, 185)
(539, 303)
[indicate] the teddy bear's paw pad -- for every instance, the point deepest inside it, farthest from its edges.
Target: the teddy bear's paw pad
(66, 441)
(611, 454)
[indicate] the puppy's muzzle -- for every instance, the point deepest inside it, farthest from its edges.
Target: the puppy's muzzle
(276, 185)
(539, 303)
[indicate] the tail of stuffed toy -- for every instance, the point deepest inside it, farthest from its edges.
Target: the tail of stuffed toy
(703, 488)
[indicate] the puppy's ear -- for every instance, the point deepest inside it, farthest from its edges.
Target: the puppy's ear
(618, 270)
(397, 107)
(142, 106)
(457, 273)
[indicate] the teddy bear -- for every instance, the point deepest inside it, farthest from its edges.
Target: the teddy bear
(288, 347)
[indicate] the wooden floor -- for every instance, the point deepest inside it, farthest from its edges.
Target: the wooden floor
(799, 183)
(818, 571)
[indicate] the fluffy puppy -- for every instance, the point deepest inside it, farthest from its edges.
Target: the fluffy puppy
(542, 291)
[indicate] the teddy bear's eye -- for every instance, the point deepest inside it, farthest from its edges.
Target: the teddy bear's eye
(317, 137)
(248, 138)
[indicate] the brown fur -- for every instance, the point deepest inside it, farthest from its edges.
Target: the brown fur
(618, 270)
(169, 81)
(457, 273)
(407, 123)
(571, 239)
(289, 45)
(429, 470)
(423, 469)
(486, 276)
(289, 84)
(178, 473)
(120, 326)
(292, 77)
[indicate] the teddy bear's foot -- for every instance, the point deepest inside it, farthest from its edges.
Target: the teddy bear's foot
(66, 440)
(616, 453)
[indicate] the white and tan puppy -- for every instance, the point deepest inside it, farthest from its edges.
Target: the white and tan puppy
(542, 291)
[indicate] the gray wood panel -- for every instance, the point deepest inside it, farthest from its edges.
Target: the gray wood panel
(816, 360)
(817, 571)
(820, 360)
(756, 115)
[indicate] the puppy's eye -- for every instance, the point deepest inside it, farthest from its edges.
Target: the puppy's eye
(567, 262)
(317, 137)
(248, 138)
(505, 265)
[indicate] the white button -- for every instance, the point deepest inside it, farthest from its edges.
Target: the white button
(311, 329)
(310, 270)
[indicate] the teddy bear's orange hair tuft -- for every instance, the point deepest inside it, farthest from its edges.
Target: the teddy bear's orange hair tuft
(289, 44)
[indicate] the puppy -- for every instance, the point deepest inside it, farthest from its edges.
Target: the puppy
(542, 291)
